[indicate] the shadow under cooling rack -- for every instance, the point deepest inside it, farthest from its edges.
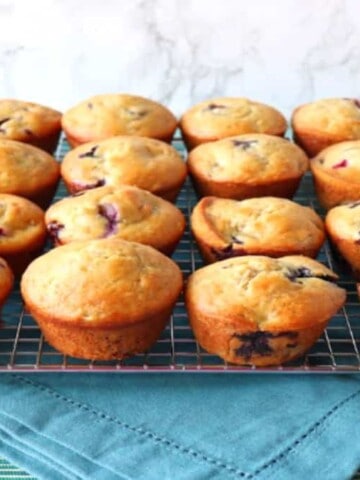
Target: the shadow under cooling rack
(23, 348)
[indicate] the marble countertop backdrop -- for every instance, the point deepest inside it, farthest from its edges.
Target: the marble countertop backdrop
(283, 52)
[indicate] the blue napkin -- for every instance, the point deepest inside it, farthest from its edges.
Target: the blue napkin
(181, 426)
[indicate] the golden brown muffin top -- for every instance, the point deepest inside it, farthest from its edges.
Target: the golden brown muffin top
(257, 292)
(341, 161)
(253, 159)
(124, 212)
(23, 121)
(333, 116)
(24, 169)
(100, 283)
(147, 163)
(267, 222)
(104, 116)
(344, 221)
(21, 224)
(227, 116)
(6, 280)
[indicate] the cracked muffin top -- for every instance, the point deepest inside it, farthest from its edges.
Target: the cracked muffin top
(6, 280)
(25, 121)
(253, 159)
(25, 169)
(265, 293)
(143, 162)
(341, 161)
(265, 223)
(104, 116)
(22, 224)
(344, 222)
(102, 283)
(335, 116)
(228, 116)
(125, 212)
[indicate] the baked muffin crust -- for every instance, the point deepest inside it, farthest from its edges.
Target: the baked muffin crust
(29, 123)
(104, 116)
(228, 116)
(124, 212)
(270, 226)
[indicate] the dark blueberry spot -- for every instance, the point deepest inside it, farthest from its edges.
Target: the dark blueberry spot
(215, 106)
(111, 214)
(2, 232)
(236, 240)
(341, 164)
(89, 186)
(258, 343)
(91, 153)
(353, 205)
(4, 120)
(294, 274)
(228, 251)
(355, 101)
(244, 144)
(54, 229)
(90, 105)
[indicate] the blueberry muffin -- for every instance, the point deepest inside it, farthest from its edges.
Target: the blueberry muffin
(253, 165)
(28, 172)
(270, 226)
(319, 124)
(343, 227)
(336, 174)
(6, 281)
(30, 123)
(22, 231)
(259, 310)
(144, 162)
(105, 116)
(225, 117)
(124, 212)
(101, 299)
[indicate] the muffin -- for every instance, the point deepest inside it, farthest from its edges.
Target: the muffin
(146, 163)
(30, 123)
(22, 231)
(101, 299)
(28, 172)
(225, 117)
(343, 227)
(6, 281)
(259, 310)
(271, 226)
(336, 174)
(105, 116)
(319, 124)
(253, 165)
(124, 212)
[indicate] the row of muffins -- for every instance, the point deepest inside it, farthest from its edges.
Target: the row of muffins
(316, 125)
(268, 337)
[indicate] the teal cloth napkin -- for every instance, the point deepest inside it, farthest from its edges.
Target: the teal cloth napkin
(181, 426)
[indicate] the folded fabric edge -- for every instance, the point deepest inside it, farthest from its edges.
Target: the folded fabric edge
(313, 453)
(129, 449)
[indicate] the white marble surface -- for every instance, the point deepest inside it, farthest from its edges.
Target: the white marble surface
(283, 52)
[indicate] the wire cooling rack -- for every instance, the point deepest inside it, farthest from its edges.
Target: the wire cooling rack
(23, 348)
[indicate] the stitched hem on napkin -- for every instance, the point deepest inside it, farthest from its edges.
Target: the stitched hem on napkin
(155, 456)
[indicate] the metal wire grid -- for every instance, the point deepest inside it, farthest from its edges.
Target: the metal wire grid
(23, 348)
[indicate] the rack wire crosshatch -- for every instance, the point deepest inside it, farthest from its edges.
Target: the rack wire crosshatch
(23, 348)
